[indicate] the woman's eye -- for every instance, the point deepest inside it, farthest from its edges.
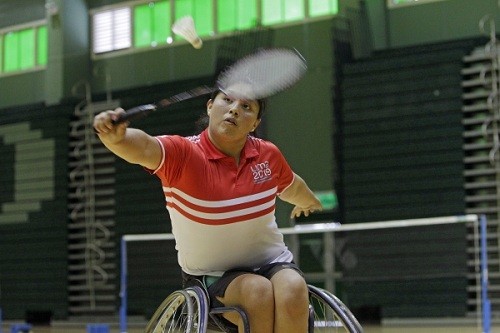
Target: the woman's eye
(247, 106)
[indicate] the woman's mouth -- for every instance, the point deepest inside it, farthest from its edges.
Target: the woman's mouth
(231, 121)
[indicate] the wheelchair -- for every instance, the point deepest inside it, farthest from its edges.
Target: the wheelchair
(188, 311)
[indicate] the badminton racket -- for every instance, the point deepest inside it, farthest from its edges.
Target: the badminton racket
(256, 76)
(144, 110)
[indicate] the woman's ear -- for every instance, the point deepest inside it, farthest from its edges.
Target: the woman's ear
(209, 106)
(256, 125)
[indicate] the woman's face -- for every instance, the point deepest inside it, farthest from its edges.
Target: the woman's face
(231, 116)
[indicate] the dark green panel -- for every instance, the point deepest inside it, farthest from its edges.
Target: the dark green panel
(414, 252)
(404, 74)
(407, 299)
(402, 158)
(403, 59)
(406, 272)
(402, 134)
(33, 252)
(153, 274)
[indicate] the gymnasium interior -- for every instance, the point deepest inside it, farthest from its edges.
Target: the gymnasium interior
(395, 126)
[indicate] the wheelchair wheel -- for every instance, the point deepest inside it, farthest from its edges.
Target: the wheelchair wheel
(183, 311)
(330, 314)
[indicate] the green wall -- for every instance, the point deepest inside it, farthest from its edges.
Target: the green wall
(33, 89)
(439, 21)
(300, 121)
(14, 12)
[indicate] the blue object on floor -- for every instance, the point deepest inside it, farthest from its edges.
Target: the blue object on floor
(20, 328)
(97, 328)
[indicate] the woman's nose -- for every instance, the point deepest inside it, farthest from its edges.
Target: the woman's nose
(234, 108)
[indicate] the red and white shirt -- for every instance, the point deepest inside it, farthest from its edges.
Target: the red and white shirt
(222, 213)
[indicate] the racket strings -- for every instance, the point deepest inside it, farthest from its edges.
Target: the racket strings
(263, 74)
(254, 77)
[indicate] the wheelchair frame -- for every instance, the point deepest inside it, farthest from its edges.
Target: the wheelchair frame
(188, 311)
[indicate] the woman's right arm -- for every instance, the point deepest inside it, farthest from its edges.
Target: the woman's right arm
(133, 145)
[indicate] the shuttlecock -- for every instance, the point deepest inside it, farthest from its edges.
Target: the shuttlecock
(184, 27)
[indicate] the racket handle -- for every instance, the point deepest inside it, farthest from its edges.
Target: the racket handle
(136, 113)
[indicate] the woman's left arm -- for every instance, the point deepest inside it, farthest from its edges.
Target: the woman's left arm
(300, 195)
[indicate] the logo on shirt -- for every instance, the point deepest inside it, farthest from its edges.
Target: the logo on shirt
(261, 172)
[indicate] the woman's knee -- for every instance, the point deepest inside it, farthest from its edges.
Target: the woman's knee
(291, 293)
(249, 291)
(257, 289)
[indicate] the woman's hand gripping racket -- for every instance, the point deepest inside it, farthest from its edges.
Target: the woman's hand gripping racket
(256, 76)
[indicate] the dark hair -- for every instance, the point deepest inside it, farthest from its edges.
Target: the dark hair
(202, 122)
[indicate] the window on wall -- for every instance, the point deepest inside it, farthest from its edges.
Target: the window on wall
(42, 46)
(1, 53)
(152, 24)
(201, 11)
(235, 15)
(111, 30)
(400, 3)
(323, 7)
(145, 24)
(23, 49)
(280, 11)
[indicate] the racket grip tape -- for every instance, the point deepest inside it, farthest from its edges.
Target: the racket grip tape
(135, 113)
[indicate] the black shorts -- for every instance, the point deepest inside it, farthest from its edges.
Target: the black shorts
(216, 286)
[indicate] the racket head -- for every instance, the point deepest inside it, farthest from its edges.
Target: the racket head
(263, 73)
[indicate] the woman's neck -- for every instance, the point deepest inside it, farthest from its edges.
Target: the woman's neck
(230, 148)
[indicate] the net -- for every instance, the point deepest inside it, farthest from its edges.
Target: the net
(402, 257)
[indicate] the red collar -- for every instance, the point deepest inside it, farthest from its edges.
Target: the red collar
(249, 150)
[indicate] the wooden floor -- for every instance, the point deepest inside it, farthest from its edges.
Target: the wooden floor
(368, 329)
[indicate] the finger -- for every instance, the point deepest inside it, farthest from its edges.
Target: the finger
(107, 120)
(115, 115)
(99, 126)
(103, 122)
